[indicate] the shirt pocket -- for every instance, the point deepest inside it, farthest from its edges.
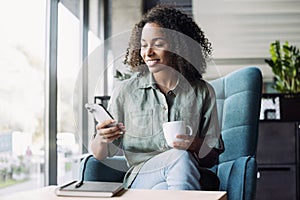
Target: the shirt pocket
(140, 123)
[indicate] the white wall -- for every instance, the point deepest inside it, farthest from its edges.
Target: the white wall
(241, 31)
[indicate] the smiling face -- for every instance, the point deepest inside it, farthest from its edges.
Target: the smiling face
(154, 48)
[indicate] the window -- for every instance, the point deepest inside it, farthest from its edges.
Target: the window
(22, 51)
(72, 74)
(68, 67)
(43, 127)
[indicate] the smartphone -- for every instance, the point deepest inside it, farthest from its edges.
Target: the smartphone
(99, 111)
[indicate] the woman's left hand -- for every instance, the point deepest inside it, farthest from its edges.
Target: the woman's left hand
(190, 143)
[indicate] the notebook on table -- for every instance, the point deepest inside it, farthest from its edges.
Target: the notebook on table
(89, 189)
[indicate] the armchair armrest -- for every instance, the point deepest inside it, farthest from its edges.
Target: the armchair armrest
(236, 175)
(110, 170)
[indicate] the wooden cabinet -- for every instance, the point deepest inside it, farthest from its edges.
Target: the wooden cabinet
(278, 160)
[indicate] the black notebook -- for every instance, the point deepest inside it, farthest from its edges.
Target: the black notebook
(89, 189)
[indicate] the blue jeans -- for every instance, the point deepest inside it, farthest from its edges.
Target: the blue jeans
(170, 170)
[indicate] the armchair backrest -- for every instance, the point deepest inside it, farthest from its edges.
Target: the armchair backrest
(238, 101)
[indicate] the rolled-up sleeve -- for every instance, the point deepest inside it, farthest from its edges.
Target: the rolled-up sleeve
(210, 130)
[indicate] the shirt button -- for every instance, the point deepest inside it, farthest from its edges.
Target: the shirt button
(165, 107)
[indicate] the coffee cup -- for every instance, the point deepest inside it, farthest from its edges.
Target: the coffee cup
(174, 128)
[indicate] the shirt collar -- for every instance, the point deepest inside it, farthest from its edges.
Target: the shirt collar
(147, 81)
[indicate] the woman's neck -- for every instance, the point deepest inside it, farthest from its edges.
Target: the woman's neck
(166, 81)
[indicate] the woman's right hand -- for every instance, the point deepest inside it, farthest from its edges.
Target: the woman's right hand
(108, 131)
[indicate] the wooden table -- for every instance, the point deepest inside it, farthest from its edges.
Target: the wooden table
(47, 193)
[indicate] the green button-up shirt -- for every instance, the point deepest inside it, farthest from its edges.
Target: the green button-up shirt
(143, 108)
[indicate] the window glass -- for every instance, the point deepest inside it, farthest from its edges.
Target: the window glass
(68, 67)
(22, 52)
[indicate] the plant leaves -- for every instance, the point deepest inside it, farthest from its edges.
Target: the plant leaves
(285, 64)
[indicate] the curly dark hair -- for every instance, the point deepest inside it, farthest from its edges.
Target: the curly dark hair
(189, 46)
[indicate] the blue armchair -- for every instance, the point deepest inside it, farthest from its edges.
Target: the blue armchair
(238, 99)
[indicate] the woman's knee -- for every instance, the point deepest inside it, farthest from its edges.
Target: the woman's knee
(184, 172)
(185, 157)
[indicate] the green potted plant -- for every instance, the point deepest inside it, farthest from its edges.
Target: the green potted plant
(285, 64)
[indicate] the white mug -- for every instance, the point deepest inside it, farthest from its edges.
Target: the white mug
(174, 128)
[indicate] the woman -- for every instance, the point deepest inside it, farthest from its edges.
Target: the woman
(168, 50)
